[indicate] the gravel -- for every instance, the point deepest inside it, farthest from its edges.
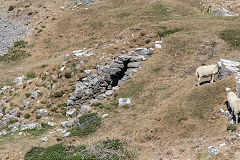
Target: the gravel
(10, 32)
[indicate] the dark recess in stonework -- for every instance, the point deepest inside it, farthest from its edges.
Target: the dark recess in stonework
(119, 75)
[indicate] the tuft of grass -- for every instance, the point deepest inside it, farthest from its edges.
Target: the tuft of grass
(165, 33)
(88, 124)
(30, 75)
(231, 127)
(27, 95)
(122, 15)
(231, 36)
(27, 116)
(57, 94)
(11, 8)
(68, 75)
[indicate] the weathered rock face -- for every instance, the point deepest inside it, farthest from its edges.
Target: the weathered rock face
(84, 2)
(10, 32)
(110, 76)
(227, 68)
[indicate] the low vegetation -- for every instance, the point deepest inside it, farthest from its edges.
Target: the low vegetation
(106, 150)
(88, 124)
(231, 127)
(16, 52)
(232, 37)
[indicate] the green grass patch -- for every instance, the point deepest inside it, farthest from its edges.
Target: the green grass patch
(106, 150)
(57, 94)
(16, 53)
(167, 32)
(30, 75)
(231, 127)
(231, 36)
(88, 124)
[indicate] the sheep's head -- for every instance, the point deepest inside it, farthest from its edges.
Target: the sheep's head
(228, 89)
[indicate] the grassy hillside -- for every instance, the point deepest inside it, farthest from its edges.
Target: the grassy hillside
(170, 117)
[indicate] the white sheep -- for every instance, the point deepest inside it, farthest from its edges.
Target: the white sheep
(236, 109)
(206, 71)
(231, 97)
(233, 102)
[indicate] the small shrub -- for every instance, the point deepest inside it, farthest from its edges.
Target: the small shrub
(44, 65)
(30, 75)
(68, 75)
(231, 127)
(20, 44)
(114, 144)
(168, 32)
(27, 95)
(27, 116)
(38, 117)
(11, 8)
(30, 13)
(148, 41)
(88, 124)
(57, 94)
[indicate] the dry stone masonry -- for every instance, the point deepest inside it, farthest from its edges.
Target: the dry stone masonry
(109, 78)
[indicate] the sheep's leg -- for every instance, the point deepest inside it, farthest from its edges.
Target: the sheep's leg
(212, 78)
(198, 81)
(236, 116)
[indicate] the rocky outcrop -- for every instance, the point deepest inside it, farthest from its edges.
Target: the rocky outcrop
(227, 68)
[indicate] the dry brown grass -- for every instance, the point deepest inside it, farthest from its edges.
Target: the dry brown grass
(169, 112)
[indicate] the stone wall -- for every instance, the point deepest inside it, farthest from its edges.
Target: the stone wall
(109, 77)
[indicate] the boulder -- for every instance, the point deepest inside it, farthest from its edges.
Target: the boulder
(124, 102)
(85, 108)
(134, 65)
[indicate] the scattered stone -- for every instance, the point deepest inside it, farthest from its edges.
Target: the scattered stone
(5, 132)
(14, 129)
(4, 88)
(35, 94)
(44, 139)
(124, 102)
(42, 112)
(51, 124)
(19, 80)
(68, 123)
(109, 92)
(222, 145)
(105, 115)
(26, 103)
(221, 111)
(16, 124)
(85, 108)
(71, 112)
(66, 134)
(213, 150)
(87, 71)
(30, 126)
